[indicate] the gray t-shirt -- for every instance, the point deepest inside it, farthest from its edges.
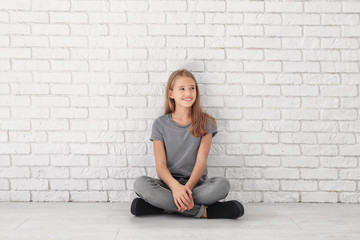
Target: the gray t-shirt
(181, 147)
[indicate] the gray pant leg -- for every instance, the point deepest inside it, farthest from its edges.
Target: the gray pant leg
(158, 194)
(211, 190)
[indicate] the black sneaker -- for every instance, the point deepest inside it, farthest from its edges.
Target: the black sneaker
(140, 208)
(230, 209)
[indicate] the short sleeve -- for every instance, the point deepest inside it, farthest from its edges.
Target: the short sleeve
(156, 133)
(211, 128)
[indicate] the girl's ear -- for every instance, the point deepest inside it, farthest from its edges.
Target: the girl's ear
(171, 95)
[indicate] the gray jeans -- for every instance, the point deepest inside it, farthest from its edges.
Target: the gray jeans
(206, 192)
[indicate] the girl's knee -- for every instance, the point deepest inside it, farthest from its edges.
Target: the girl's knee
(140, 183)
(224, 183)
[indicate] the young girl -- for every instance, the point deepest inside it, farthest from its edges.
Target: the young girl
(182, 139)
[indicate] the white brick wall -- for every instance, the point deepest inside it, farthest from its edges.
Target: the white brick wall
(81, 83)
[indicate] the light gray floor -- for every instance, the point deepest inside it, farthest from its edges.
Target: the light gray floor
(113, 221)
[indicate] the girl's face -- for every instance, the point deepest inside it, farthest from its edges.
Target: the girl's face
(184, 92)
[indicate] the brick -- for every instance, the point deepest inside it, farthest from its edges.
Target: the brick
(299, 185)
(13, 29)
(106, 17)
(129, 30)
(20, 112)
(319, 173)
(66, 137)
(319, 150)
(245, 6)
(283, 7)
(333, 138)
(282, 126)
(167, 29)
(69, 113)
(283, 78)
(300, 137)
(105, 137)
(261, 90)
(243, 149)
(244, 54)
(15, 53)
(256, 66)
(89, 30)
(22, 136)
(167, 6)
(50, 196)
(49, 124)
(262, 185)
(341, 114)
(108, 184)
(29, 89)
(30, 160)
(281, 173)
(262, 42)
(320, 126)
(107, 113)
(30, 65)
(68, 160)
(223, 161)
(49, 148)
(245, 197)
(136, 161)
(56, 77)
(337, 185)
(322, 7)
(98, 6)
(46, 53)
(262, 18)
(350, 174)
(14, 172)
(319, 102)
(14, 101)
(14, 148)
(243, 173)
(88, 148)
(88, 196)
(281, 149)
(283, 31)
(281, 197)
(319, 197)
(107, 161)
(91, 101)
(29, 184)
(301, 19)
(15, 5)
(301, 114)
(262, 161)
(65, 184)
(259, 137)
(238, 102)
(50, 29)
(88, 172)
(204, 30)
(50, 172)
(349, 150)
(338, 162)
(185, 17)
(262, 114)
(303, 162)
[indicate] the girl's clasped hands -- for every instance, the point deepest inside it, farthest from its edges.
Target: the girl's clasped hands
(183, 198)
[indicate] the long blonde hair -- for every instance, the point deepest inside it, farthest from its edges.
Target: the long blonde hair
(199, 117)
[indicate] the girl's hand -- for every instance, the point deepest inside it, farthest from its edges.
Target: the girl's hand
(183, 198)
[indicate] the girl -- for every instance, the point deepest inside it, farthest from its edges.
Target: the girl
(182, 139)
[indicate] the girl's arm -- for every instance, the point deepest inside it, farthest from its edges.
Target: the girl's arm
(201, 160)
(181, 194)
(160, 163)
